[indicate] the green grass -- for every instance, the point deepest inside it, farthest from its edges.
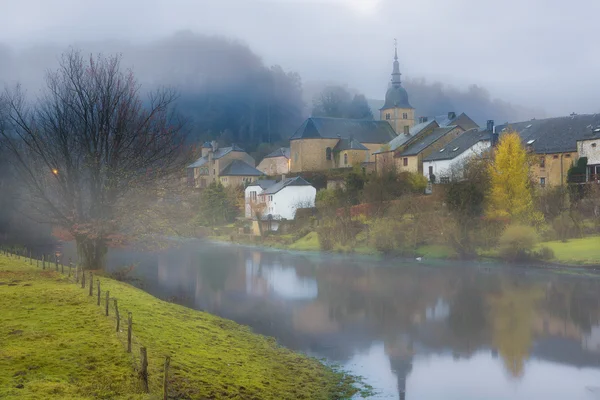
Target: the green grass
(436, 251)
(57, 343)
(584, 251)
(309, 242)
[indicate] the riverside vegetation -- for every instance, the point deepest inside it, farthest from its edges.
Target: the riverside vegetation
(490, 208)
(58, 343)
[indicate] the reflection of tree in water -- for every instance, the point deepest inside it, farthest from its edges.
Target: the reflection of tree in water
(512, 312)
(400, 353)
(214, 269)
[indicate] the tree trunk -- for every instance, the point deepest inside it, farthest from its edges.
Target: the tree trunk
(91, 252)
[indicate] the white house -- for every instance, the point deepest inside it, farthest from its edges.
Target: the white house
(440, 163)
(589, 147)
(252, 200)
(283, 198)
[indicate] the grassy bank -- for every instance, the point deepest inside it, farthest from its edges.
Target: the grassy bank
(583, 251)
(57, 343)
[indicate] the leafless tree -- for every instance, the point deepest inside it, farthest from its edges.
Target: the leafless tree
(87, 143)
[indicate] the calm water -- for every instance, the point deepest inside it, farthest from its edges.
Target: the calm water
(413, 330)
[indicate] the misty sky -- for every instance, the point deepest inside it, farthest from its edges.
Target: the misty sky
(537, 53)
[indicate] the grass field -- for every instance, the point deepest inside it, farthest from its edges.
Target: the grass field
(584, 251)
(57, 343)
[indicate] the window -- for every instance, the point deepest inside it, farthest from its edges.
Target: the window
(328, 153)
(214, 171)
(567, 156)
(555, 157)
(445, 179)
(593, 144)
(407, 130)
(253, 195)
(542, 162)
(542, 182)
(345, 158)
(388, 116)
(404, 115)
(296, 157)
(405, 161)
(430, 170)
(214, 162)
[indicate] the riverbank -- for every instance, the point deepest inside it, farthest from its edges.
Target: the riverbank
(579, 253)
(58, 343)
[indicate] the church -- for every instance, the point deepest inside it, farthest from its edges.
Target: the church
(328, 143)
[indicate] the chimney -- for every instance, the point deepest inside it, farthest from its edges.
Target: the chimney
(451, 115)
(490, 125)
(214, 145)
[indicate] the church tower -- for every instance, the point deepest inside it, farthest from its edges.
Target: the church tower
(397, 110)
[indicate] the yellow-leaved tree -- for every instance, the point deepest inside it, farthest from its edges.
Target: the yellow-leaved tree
(510, 192)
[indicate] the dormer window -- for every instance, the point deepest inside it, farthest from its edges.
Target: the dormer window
(407, 130)
(388, 116)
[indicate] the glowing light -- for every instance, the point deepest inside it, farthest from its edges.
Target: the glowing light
(54, 171)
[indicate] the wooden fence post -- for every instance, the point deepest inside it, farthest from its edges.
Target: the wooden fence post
(117, 314)
(37, 262)
(76, 273)
(166, 378)
(144, 368)
(70, 267)
(43, 262)
(30, 260)
(129, 328)
(107, 300)
(82, 278)
(98, 291)
(56, 262)
(62, 267)
(91, 283)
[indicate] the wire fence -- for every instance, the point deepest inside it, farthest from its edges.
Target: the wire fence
(108, 304)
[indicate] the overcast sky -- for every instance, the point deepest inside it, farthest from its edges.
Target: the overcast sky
(538, 53)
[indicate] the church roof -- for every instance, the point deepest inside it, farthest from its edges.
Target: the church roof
(459, 145)
(554, 135)
(240, 168)
(396, 96)
(421, 144)
(280, 152)
(349, 144)
(364, 131)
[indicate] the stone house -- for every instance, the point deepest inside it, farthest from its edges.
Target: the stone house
(439, 166)
(553, 142)
(213, 161)
(326, 143)
(276, 163)
(238, 173)
(589, 146)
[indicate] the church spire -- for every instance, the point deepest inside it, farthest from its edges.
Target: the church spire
(396, 72)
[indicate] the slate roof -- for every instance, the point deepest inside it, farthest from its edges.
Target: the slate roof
(396, 96)
(280, 152)
(349, 144)
(216, 155)
(554, 135)
(240, 168)
(462, 120)
(207, 145)
(459, 145)
(297, 181)
(198, 163)
(365, 131)
(263, 183)
(421, 144)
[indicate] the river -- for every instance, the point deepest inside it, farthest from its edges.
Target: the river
(413, 330)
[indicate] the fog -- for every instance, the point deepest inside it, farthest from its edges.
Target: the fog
(539, 54)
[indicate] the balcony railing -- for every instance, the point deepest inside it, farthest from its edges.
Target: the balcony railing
(583, 178)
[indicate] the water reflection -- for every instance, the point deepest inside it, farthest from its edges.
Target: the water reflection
(414, 331)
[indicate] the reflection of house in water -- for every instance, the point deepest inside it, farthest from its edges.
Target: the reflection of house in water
(400, 352)
(591, 341)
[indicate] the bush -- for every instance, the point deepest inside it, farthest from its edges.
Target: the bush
(517, 242)
(383, 235)
(544, 253)
(326, 239)
(564, 227)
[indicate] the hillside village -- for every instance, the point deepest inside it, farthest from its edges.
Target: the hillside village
(434, 147)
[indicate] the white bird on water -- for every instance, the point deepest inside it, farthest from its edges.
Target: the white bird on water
(419, 258)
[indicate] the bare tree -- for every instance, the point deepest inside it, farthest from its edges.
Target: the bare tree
(87, 143)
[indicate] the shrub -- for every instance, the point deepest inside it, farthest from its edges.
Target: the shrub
(383, 235)
(517, 242)
(326, 238)
(564, 226)
(544, 253)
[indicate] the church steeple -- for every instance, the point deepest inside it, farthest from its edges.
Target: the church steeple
(396, 72)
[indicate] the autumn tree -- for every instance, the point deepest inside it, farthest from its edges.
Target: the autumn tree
(86, 144)
(510, 190)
